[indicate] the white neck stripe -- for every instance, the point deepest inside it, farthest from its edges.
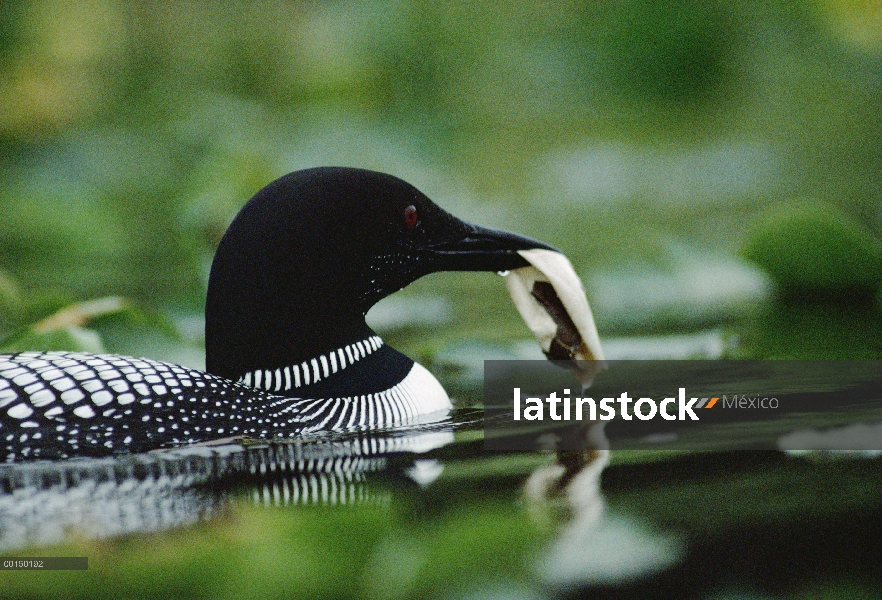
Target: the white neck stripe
(418, 394)
(313, 370)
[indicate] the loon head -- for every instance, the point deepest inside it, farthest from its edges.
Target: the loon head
(309, 254)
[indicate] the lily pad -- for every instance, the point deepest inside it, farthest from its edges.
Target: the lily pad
(811, 248)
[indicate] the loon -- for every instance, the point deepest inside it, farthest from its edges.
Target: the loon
(288, 350)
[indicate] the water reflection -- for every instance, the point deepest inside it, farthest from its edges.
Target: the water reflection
(592, 546)
(46, 502)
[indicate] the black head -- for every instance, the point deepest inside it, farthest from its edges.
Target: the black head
(311, 252)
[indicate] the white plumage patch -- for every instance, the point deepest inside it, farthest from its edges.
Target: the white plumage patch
(20, 411)
(417, 395)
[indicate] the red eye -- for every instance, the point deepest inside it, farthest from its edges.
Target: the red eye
(410, 216)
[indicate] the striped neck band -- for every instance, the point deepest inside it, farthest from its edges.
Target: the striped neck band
(313, 370)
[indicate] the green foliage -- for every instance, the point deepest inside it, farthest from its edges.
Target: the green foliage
(252, 554)
(109, 324)
(825, 330)
(675, 52)
(813, 247)
(70, 339)
(299, 552)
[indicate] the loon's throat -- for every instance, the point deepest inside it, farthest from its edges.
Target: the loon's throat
(310, 372)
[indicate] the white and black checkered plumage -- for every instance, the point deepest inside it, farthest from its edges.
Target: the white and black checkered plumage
(60, 404)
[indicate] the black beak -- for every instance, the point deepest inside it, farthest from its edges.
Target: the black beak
(482, 249)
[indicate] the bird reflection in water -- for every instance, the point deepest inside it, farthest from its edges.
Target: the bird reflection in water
(593, 545)
(569, 489)
(45, 502)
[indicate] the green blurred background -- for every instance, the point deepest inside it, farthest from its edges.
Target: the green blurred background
(642, 138)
